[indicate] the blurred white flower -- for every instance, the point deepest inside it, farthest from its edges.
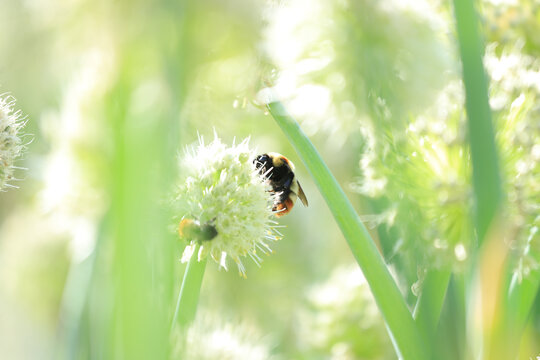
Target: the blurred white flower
(502, 2)
(432, 194)
(11, 144)
(518, 134)
(34, 258)
(211, 338)
(74, 189)
(333, 59)
(222, 192)
(343, 321)
(430, 154)
(511, 72)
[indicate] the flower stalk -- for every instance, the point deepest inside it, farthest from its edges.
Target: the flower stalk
(188, 297)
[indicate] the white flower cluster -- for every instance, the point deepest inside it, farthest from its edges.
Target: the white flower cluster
(343, 321)
(511, 72)
(433, 154)
(221, 188)
(429, 154)
(210, 337)
(11, 145)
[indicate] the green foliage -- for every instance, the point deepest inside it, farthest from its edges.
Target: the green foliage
(90, 257)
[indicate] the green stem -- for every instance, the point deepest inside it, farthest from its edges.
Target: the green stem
(186, 306)
(403, 330)
(430, 302)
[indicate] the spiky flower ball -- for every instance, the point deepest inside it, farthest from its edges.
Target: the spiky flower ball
(224, 204)
(11, 145)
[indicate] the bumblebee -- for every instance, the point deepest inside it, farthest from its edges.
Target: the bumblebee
(279, 172)
(193, 230)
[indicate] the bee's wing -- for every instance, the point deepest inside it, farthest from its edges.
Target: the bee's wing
(372, 221)
(301, 195)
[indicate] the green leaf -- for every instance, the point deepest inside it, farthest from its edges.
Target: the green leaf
(403, 330)
(486, 176)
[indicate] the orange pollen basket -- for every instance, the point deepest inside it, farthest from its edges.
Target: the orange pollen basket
(283, 208)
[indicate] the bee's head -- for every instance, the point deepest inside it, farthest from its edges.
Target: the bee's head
(263, 162)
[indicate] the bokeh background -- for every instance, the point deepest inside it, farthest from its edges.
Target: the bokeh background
(114, 92)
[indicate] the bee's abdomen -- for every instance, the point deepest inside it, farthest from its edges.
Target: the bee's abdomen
(283, 208)
(284, 202)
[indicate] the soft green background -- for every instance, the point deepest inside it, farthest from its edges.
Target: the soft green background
(114, 91)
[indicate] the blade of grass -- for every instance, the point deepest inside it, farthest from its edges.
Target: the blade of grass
(486, 182)
(518, 300)
(398, 318)
(139, 224)
(486, 176)
(451, 332)
(430, 302)
(72, 307)
(188, 297)
(521, 297)
(77, 297)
